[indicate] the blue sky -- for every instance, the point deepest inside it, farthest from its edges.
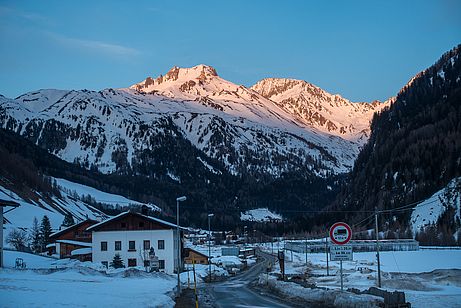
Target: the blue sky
(363, 50)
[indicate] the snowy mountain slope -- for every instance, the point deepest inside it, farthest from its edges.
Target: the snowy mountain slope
(74, 199)
(315, 107)
(246, 132)
(260, 215)
(430, 210)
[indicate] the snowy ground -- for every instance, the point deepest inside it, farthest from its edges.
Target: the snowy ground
(429, 277)
(58, 283)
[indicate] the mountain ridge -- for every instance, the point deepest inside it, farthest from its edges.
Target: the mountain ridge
(236, 125)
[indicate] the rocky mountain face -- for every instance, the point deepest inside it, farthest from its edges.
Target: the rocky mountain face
(274, 127)
(317, 108)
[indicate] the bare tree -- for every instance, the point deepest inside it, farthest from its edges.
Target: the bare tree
(17, 238)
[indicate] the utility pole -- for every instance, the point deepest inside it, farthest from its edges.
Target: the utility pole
(377, 247)
(178, 269)
(305, 249)
(209, 244)
(326, 253)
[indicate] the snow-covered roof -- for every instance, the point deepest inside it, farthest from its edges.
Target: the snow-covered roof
(84, 244)
(70, 227)
(50, 245)
(80, 251)
(166, 223)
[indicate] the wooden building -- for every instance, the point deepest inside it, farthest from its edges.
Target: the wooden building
(73, 242)
(191, 255)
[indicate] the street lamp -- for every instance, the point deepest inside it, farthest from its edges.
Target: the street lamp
(209, 244)
(179, 199)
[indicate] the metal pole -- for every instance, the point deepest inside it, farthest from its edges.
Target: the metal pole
(377, 247)
(188, 278)
(305, 250)
(1, 236)
(326, 253)
(179, 245)
(209, 246)
(178, 241)
(341, 272)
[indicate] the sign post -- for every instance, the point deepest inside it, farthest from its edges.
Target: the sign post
(340, 234)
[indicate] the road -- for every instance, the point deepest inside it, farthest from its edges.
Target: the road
(236, 292)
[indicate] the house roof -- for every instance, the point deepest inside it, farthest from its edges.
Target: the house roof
(159, 221)
(196, 252)
(60, 232)
(80, 251)
(12, 203)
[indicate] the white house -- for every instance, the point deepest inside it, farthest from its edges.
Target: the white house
(133, 236)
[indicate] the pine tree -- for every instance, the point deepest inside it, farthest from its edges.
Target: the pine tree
(117, 262)
(45, 232)
(68, 220)
(35, 237)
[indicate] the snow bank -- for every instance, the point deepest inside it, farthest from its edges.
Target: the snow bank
(319, 296)
(73, 283)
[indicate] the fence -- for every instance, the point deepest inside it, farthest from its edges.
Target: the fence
(357, 245)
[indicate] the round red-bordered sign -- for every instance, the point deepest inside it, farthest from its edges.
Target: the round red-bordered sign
(340, 233)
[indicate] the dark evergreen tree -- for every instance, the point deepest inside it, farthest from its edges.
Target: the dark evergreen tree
(45, 232)
(34, 237)
(68, 220)
(117, 262)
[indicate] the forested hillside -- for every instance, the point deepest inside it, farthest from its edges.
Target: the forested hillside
(415, 146)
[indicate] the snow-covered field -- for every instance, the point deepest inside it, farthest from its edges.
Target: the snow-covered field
(429, 277)
(58, 283)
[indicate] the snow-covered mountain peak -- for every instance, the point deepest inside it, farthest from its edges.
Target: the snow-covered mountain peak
(317, 108)
(276, 119)
(177, 77)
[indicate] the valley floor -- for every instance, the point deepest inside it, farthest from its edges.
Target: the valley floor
(429, 277)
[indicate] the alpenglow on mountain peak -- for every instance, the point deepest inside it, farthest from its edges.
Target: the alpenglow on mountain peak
(197, 74)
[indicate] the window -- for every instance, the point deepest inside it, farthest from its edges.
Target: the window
(105, 263)
(131, 262)
(161, 264)
(146, 245)
(161, 244)
(131, 246)
(141, 224)
(118, 245)
(103, 246)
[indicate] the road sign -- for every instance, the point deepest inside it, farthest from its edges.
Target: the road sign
(341, 253)
(340, 233)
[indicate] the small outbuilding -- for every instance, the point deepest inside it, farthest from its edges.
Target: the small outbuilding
(191, 256)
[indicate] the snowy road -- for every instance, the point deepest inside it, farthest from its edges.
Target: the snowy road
(235, 292)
